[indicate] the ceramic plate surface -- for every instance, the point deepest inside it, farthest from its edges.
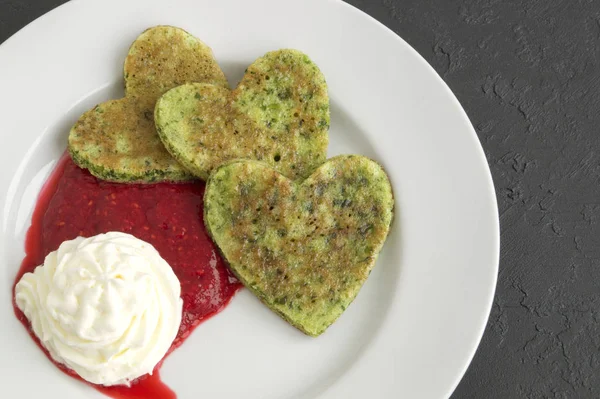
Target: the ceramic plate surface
(414, 327)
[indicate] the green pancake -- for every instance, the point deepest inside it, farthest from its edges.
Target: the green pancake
(278, 114)
(304, 248)
(117, 140)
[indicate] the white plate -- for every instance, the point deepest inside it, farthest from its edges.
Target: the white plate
(416, 324)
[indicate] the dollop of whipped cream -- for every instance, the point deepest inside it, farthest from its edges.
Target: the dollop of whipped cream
(108, 306)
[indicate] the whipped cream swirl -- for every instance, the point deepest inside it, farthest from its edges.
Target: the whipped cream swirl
(108, 306)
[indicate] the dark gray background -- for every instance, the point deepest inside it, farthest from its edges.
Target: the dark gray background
(527, 72)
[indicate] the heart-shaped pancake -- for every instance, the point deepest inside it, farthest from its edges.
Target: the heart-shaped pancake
(117, 140)
(279, 114)
(304, 248)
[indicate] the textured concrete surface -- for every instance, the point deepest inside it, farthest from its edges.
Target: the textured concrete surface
(528, 74)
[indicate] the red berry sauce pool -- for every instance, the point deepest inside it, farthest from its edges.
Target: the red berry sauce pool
(168, 215)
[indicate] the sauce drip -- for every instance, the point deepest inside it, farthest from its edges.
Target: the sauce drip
(167, 215)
